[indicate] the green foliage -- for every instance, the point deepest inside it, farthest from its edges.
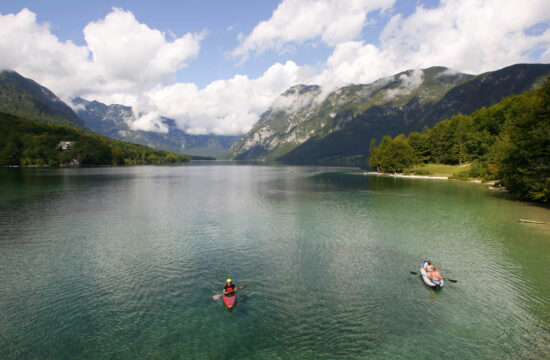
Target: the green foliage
(373, 162)
(392, 155)
(30, 143)
(27, 99)
(524, 161)
(419, 142)
(463, 175)
(423, 172)
(11, 152)
(509, 140)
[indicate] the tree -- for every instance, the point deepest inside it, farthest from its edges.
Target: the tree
(398, 155)
(10, 154)
(524, 165)
(392, 155)
(421, 146)
(373, 162)
(117, 155)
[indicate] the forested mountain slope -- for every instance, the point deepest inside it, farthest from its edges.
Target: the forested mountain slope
(25, 98)
(304, 126)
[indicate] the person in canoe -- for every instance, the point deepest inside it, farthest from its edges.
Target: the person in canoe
(229, 288)
(434, 274)
(429, 267)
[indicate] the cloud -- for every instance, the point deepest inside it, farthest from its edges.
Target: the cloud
(121, 56)
(297, 21)
(472, 36)
(356, 62)
(127, 62)
(409, 82)
(296, 101)
(469, 36)
(224, 106)
(30, 48)
(149, 121)
(124, 50)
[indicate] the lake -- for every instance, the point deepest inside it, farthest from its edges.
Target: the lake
(122, 263)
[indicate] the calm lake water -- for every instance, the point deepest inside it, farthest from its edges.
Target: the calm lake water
(122, 263)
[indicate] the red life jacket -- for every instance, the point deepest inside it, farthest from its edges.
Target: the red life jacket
(229, 287)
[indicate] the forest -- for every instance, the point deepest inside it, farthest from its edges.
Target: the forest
(509, 141)
(25, 142)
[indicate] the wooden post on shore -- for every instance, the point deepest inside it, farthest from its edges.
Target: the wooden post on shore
(534, 222)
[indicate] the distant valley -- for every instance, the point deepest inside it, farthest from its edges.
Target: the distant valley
(114, 121)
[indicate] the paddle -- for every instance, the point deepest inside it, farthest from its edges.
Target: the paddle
(451, 280)
(217, 297)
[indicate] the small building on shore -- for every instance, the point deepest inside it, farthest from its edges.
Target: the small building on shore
(64, 145)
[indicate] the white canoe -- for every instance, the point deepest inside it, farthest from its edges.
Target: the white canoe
(431, 283)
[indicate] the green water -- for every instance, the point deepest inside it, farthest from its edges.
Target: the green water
(122, 263)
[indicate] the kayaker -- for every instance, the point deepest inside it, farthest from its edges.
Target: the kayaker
(429, 267)
(229, 287)
(434, 275)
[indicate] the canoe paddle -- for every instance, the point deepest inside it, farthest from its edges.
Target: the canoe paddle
(451, 280)
(217, 297)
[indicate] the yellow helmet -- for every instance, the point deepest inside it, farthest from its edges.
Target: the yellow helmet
(228, 280)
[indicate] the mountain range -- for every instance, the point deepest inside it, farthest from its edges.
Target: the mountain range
(25, 98)
(305, 125)
(115, 122)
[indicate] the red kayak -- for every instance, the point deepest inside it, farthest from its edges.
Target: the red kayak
(230, 299)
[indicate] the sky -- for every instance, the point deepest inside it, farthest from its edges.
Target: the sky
(216, 66)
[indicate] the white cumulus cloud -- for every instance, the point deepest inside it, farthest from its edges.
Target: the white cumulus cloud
(469, 35)
(121, 56)
(297, 21)
(224, 106)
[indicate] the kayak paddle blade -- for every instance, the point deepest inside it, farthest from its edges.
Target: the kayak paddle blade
(216, 297)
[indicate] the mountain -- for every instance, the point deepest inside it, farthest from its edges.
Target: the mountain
(115, 121)
(304, 126)
(25, 98)
(488, 89)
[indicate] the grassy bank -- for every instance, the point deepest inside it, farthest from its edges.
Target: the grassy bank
(450, 171)
(439, 171)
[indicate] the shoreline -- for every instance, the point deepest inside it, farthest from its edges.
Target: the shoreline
(491, 184)
(434, 177)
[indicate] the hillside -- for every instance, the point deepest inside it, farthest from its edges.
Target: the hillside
(509, 141)
(25, 98)
(30, 143)
(302, 127)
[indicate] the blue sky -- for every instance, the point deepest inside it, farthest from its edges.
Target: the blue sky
(68, 19)
(215, 66)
